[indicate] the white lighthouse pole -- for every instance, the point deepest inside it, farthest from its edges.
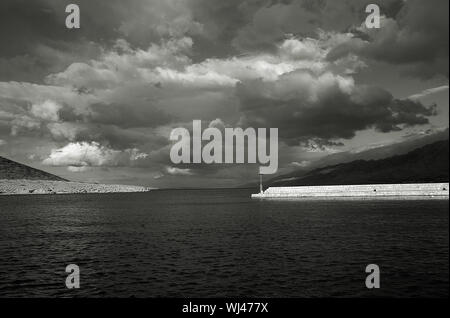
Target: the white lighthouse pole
(260, 184)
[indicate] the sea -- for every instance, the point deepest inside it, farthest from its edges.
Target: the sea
(221, 243)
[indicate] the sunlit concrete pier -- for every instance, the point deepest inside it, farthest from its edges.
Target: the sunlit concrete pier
(425, 190)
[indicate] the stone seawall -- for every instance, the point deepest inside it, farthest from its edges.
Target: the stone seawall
(428, 190)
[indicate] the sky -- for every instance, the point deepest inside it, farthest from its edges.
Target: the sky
(98, 103)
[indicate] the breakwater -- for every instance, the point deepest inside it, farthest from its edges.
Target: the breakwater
(426, 190)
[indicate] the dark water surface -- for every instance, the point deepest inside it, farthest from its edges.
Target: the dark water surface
(205, 243)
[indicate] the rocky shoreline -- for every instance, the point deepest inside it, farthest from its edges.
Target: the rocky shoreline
(22, 186)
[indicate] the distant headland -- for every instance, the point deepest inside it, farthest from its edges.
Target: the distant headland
(17, 178)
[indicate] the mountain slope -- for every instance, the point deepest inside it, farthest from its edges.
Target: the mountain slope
(13, 170)
(425, 164)
(382, 152)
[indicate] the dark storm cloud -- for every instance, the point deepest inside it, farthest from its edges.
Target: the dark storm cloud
(330, 108)
(24, 24)
(109, 135)
(416, 39)
(127, 116)
(214, 24)
(272, 20)
(35, 41)
(40, 44)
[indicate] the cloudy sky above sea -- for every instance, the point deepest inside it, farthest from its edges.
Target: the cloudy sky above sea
(98, 103)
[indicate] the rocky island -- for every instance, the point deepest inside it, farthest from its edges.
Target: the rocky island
(16, 178)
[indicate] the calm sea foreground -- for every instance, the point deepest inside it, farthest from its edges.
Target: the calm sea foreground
(213, 243)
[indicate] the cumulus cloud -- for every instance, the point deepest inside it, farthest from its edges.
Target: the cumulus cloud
(295, 88)
(78, 168)
(48, 110)
(30, 93)
(91, 154)
(174, 171)
(217, 123)
(131, 87)
(24, 123)
(168, 66)
(122, 63)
